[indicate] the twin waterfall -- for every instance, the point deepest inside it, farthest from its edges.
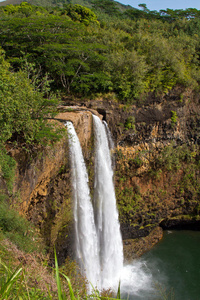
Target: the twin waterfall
(98, 238)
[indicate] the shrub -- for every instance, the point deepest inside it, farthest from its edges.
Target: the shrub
(130, 123)
(17, 229)
(7, 167)
(174, 118)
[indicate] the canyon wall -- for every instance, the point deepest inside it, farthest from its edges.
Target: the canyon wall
(157, 163)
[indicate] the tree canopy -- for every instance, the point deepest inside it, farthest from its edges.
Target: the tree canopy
(24, 107)
(101, 50)
(86, 51)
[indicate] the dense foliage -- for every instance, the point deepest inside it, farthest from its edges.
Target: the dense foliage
(22, 107)
(25, 107)
(129, 53)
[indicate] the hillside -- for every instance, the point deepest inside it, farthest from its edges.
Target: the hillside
(105, 51)
(60, 3)
(136, 69)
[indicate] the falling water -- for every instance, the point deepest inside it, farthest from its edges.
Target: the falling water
(110, 143)
(106, 214)
(85, 231)
(98, 238)
(110, 140)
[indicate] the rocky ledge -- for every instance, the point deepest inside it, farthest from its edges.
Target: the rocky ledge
(134, 248)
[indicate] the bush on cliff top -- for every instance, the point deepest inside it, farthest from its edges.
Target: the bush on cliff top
(23, 108)
(26, 104)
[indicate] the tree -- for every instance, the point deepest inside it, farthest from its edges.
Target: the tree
(144, 6)
(107, 6)
(128, 75)
(80, 13)
(23, 109)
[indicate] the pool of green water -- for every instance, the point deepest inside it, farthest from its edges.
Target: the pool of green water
(172, 269)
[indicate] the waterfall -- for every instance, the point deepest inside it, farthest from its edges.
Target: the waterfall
(85, 231)
(106, 214)
(110, 140)
(98, 238)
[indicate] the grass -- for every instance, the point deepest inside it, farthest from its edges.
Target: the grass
(17, 229)
(23, 275)
(14, 286)
(61, 295)
(8, 281)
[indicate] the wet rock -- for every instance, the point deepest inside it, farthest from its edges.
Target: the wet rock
(134, 248)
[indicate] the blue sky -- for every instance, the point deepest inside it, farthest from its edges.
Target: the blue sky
(163, 4)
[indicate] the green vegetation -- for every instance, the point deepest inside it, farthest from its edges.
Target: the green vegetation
(182, 159)
(173, 118)
(80, 13)
(104, 50)
(8, 281)
(17, 229)
(14, 286)
(7, 168)
(26, 104)
(130, 123)
(146, 179)
(24, 270)
(23, 107)
(172, 157)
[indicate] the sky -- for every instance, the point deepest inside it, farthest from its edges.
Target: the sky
(163, 4)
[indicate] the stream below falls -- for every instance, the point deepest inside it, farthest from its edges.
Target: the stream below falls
(171, 270)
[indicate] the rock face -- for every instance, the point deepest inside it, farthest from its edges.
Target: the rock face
(82, 121)
(157, 175)
(157, 160)
(34, 174)
(42, 187)
(134, 248)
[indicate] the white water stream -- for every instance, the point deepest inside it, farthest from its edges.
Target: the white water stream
(99, 245)
(85, 231)
(106, 214)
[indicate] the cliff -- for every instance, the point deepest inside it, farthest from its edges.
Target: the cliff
(157, 163)
(42, 187)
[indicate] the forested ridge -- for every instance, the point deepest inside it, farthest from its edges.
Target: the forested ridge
(86, 52)
(81, 52)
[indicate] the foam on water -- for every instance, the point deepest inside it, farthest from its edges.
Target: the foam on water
(136, 279)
